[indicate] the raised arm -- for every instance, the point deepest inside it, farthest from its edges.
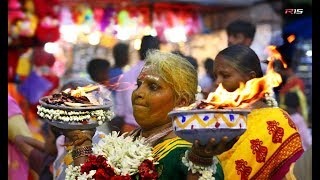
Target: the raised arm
(81, 140)
(27, 144)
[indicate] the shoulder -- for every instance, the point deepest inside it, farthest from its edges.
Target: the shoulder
(170, 146)
(271, 116)
(268, 113)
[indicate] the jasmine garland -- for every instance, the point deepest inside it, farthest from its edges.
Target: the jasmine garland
(75, 116)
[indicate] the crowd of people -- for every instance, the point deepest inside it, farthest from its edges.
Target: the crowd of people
(144, 94)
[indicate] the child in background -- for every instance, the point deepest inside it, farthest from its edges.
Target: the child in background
(40, 154)
(292, 105)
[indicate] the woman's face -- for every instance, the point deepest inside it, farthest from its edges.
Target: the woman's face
(228, 75)
(152, 100)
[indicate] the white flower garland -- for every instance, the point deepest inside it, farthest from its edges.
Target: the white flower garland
(270, 100)
(205, 171)
(73, 172)
(122, 153)
(74, 116)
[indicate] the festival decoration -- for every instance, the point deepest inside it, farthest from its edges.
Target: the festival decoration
(34, 87)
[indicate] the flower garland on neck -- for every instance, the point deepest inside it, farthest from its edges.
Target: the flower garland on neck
(269, 100)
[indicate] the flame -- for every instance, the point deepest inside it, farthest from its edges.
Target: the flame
(291, 38)
(81, 91)
(274, 54)
(247, 93)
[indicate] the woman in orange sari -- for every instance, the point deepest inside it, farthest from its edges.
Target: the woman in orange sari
(271, 142)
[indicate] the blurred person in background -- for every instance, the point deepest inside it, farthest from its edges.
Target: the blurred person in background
(194, 62)
(290, 81)
(98, 69)
(40, 154)
(127, 84)
(292, 107)
(120, 54)
(207, 80)
(242, 32)
(18, 167)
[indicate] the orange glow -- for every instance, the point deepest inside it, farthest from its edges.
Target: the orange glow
(81, 91)
(248, 93)
(291, 38)
(274, 54)
(245, 95)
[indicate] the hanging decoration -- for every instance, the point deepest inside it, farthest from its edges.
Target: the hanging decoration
(48, 30)
(107, 17)
(65, 17)
(24, 64)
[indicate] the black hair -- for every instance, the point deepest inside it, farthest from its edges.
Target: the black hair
(46, 127)
(120, 54)
(208, 65)
(148, 42)
(243, 58)
(287, 53)
(292, 100)
(98, 69)
(74, 83)
(243, 27)
(193, 61)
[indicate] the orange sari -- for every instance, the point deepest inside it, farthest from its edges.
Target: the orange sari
(266, 150)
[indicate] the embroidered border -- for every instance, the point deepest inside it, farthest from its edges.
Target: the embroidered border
(287, 150)
(164, 148)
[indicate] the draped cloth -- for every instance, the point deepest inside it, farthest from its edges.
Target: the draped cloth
(18, 167)
(266, 150)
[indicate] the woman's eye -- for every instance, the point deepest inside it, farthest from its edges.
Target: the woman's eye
(226, 76)
(153, 87)
(138, 84)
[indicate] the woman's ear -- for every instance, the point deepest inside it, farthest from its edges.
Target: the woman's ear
(183, 102)
(252, 74)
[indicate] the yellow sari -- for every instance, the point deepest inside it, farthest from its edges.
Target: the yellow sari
(266, 150)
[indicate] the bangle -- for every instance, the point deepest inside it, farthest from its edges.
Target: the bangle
(206, 172)
(82, 151)
(199, 160)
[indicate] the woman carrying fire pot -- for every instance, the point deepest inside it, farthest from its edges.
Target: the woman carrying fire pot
(159, 89)
(271, 143)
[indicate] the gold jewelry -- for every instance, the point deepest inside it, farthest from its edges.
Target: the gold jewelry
(81, 151)
(202, 161)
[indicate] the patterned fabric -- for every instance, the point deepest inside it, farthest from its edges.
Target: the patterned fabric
(169, 154)
(266, 150)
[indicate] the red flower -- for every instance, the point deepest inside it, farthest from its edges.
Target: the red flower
(147, 170)
(127, 177)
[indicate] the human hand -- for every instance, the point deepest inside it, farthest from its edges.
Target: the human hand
(213, 148)
(79, 137)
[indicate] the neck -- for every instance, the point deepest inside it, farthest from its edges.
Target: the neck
(149, 132)
(259, 104)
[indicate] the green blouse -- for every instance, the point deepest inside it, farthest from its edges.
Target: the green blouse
(169, 154)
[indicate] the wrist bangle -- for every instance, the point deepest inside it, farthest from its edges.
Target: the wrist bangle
(199, 160)
(205, 172)
(81, 151)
